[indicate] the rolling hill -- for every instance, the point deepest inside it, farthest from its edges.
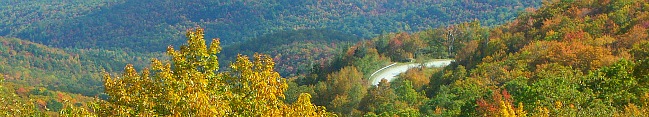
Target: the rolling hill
(137, 24)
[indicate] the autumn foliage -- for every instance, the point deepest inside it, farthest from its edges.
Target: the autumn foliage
(567, 58)
(191, 85)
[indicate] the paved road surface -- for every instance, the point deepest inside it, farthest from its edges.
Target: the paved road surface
(393, 70)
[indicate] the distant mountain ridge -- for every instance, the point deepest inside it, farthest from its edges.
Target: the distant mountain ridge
(138, 24)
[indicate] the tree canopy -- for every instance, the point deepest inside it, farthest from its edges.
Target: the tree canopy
(191, 84)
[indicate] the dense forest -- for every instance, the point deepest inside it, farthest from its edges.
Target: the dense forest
(580, 58)
(567, 58)
(294, 51)
(70, 70)
(564, 58)
(77, 41)
(107, 24)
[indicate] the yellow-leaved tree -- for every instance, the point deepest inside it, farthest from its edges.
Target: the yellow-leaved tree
(191, 85)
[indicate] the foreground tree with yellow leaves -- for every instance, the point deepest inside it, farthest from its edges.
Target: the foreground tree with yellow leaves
(191, 85)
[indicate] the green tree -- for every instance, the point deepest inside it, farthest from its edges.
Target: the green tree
(640, 51)
(382, 99)
(616, 84)
(54, 105)
(343, 91)
(406, 93)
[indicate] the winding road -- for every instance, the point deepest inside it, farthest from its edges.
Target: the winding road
(391, 71)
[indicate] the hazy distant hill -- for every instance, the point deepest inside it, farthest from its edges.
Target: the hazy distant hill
(138, 24)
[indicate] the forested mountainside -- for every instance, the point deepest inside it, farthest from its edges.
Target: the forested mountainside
(18, 100)
(75, 71)
(342, 85)
(295, 52)
(566, 58)
(66, 46)
(37, 80)
(143, 25)
(189, 83)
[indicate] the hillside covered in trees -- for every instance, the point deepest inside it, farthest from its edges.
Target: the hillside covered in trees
(56, 49)
(568, 58)
(294, 51)
(565, 58)
(69, 70)
(144, 25)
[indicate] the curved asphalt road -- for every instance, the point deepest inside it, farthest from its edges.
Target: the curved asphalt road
(393, 70)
